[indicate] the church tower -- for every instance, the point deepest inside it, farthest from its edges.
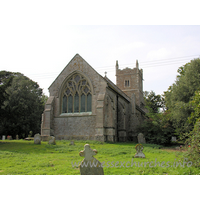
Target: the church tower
(130, 81)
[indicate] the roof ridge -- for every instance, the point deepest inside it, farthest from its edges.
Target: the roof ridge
(69, 64)
(108, 80)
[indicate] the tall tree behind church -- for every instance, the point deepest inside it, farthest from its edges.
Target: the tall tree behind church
(21, 105)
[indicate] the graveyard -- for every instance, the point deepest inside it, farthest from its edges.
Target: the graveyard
(24, 157)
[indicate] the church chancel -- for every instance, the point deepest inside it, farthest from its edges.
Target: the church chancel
(85, 105)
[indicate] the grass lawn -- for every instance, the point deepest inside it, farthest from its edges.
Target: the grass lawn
(19, 157)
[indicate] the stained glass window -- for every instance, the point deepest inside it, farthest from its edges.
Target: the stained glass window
(82, 103)
(70, 102)
(76, 103)
(64, 104)
(89, 102)
(77, 96)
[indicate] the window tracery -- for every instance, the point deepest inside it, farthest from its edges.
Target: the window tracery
(77, 95)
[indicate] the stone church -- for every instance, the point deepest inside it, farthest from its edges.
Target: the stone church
(85, 105)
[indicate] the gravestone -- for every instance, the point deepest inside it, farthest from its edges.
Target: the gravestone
(3, 137)
(90, 165)
(52, 140)
(173, 139)
(17, 137)
(37, 138)
(141, 138)
(139, 148)
(71, 143)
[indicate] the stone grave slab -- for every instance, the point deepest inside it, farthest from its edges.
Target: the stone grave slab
(173, 139)
(71, 143)
(52, 140)
(37, 138)
(141, 138)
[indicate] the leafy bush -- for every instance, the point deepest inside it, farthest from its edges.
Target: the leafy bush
(193, 143)
(154, 132)
(158, 127)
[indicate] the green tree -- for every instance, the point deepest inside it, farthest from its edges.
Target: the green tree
(193, 137)
(154, 103)
(157, 128)
(193, 144)
(179, 95)
(195, 106)
(22, 106)
(5, 81)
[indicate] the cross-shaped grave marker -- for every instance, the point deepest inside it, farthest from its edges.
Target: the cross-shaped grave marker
(139, 148)
(90, 165)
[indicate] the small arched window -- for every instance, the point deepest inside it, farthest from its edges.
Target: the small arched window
(127, 83)
(77, 95)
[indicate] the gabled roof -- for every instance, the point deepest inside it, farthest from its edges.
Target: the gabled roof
(77, 55)
(109, 82)
(120, 92)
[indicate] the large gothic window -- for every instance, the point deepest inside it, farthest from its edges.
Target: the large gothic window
(77, 95)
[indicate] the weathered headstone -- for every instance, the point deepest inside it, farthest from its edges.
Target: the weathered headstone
(139, 148)
(17, 137)
(173, 139)
(71, 143)
(141, 138)
(90, 165)
(52, 140)
(37, 138)
(3, 137)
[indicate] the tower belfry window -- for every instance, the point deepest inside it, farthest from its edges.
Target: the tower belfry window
(127, 84)
(77, 95)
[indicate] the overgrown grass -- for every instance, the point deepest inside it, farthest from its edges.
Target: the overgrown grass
(19, 157)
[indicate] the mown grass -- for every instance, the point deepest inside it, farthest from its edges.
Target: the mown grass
(19, 157)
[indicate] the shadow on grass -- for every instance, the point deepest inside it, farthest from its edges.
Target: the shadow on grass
(21, 146)
(62, 146)
(28, 147)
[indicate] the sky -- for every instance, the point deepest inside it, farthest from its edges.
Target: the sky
(39, 39)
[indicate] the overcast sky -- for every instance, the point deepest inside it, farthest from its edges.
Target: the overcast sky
(39, 39)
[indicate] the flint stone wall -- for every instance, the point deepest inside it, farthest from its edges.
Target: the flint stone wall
(81, 128)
